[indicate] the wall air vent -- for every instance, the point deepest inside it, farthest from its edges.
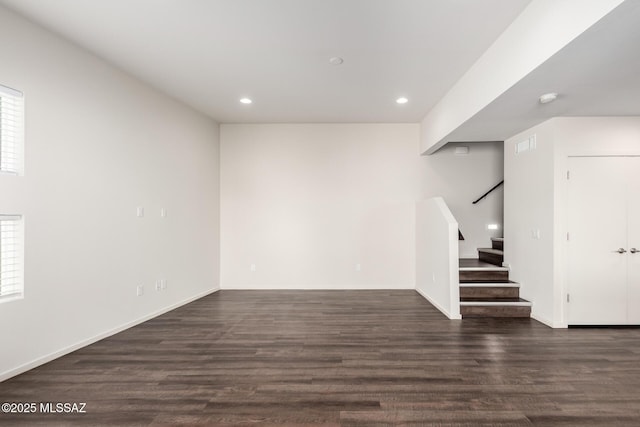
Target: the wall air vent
(526, 145)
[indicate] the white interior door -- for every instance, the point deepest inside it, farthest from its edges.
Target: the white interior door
(597, 224)
(633, 203)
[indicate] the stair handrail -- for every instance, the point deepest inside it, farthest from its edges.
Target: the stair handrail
(489, 192)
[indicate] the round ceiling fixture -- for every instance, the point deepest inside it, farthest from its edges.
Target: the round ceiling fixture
(402, 100)
(548, 97)
(246, 101)
(336, 60)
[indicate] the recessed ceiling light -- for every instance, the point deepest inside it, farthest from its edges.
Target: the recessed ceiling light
(402, 100)
(336, 60)
(548, 97)
(246, 100)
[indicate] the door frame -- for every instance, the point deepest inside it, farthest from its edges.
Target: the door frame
(561, 211)
(597, 276)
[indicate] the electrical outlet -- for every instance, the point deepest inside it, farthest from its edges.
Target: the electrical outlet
(140, 290)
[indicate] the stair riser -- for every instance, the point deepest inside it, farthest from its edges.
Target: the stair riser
(495, 311)
(491, 258)
(486, 291)
(484, 276)
(481, 293)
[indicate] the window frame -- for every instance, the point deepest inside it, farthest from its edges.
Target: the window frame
(15, 257)
(12, 136)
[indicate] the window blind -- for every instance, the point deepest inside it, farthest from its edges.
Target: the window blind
(11, 130)
(11, 283)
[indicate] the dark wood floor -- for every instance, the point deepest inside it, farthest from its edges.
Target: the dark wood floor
(339, 358)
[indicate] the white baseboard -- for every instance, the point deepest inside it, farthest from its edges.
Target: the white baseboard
(545, 321)
(438, 306)
(351, 287)
(56, 354)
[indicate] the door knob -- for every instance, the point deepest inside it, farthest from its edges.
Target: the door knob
(621, 251)
(633, 250)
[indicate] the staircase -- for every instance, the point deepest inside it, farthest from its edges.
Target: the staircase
(485, 288)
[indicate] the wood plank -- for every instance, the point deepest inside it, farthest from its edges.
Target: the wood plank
(497, 243)
(474, 263)
(489, 292)
(338, 358)
(494, 311)
(483, 276)
(491, 256)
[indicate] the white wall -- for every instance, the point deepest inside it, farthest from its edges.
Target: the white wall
(437, 276)
(528, 208)
(98, 144)
(536, 195)
(306, 203)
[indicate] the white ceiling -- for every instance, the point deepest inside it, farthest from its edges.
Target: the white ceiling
(598, 74)
(210, 53)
